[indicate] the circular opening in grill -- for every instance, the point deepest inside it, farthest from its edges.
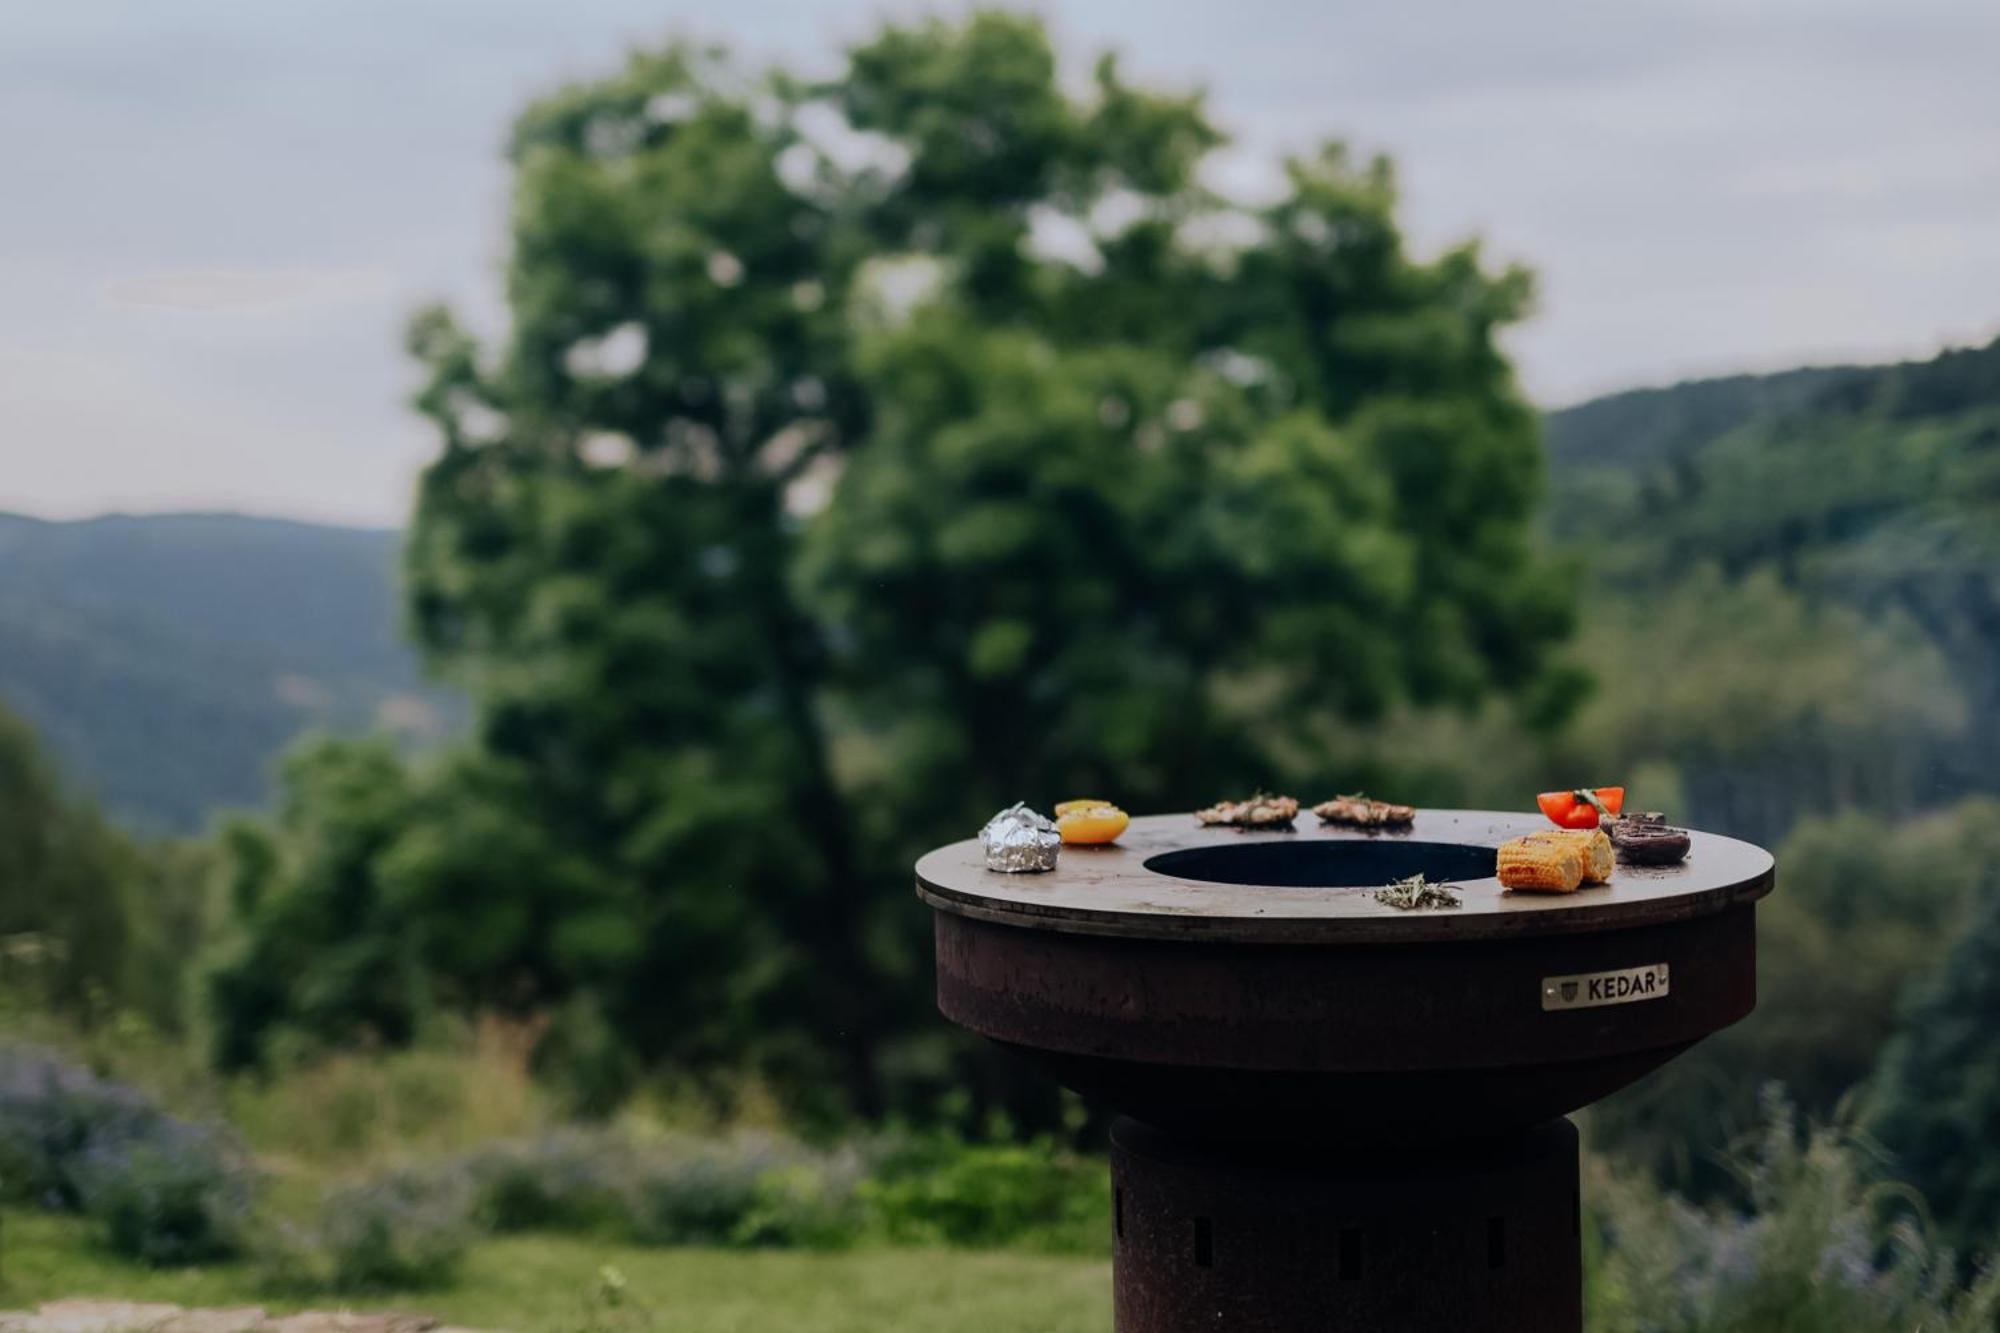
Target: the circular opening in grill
(1326, 864)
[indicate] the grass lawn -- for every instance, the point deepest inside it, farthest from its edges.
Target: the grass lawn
(542, 1285)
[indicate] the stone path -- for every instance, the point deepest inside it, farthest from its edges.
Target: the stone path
(126, 1317)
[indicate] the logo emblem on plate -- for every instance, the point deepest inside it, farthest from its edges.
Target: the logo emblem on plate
(1588, 990)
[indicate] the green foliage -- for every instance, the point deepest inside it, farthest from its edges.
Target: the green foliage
(941, 1190)
(50, 1112)
(751, 1191)
(748, 1193)
(92, 924)
(748, 1190)
(177, 1197)
(1827, 1248)
(695, 1199)
(354, 1111)
(584, 1060)
(324, 948)
(407, 1231)
(1936, 1104)
(571, 1180)
(1875, 904)
(159, 1188)
(1879, 907)
(386, 894)
(863, 454)
(1757, 705)
(808, 1206)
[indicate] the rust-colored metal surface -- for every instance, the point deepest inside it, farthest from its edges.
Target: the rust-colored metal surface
(1397, 1042)
(1473, 1005)
(1307, 1070)
(1477, 1238)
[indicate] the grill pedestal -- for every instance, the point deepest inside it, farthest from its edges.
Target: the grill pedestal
(1465, 1238)
(1338, 1117)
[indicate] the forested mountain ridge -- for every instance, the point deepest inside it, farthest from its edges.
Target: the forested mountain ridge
(1862, 504)
(1636, 429)
(167, 659)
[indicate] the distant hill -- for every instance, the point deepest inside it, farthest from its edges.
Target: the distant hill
(1860, 505)
(166, 660)
(1651, 428)
(1645, 427)
(1806, 468)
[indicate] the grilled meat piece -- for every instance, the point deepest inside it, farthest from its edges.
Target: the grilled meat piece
(1260, 811)
(1361, 812)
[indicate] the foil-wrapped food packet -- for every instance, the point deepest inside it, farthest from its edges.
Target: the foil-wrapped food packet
(1018, 841)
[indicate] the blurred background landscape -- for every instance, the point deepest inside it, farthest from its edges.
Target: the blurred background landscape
(497, 902)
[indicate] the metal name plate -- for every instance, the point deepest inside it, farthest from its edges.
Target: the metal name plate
(1588, 990)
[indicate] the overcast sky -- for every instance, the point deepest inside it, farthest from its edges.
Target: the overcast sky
(214, 214)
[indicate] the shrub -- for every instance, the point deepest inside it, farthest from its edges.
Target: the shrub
(51, 1111)
(698, 1194)
(401, 1231)
(162, 1189)
(584, 1062)
(1828, 1248)
(809, 1204)
(177, 1194)
(749, 1191)
(942, 1190)
(570, 1180)
(349, 1111)
(290, 1260)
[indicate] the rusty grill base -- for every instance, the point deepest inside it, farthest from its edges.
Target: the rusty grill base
(1340, 1117)
(1477, 1237)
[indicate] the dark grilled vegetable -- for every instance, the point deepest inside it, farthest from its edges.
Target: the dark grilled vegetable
(1647, 840)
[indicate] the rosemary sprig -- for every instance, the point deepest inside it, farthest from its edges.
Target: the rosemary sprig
(1417, 893)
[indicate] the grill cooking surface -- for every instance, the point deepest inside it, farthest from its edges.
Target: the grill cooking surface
(1169, 877)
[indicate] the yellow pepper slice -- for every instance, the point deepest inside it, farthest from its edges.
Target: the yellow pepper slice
(1090, 822)
(1086, 803)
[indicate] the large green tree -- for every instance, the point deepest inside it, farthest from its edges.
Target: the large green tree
(864, 452)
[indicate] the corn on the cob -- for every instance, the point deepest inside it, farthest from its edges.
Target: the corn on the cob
(1592, 845)
(1540, 865)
